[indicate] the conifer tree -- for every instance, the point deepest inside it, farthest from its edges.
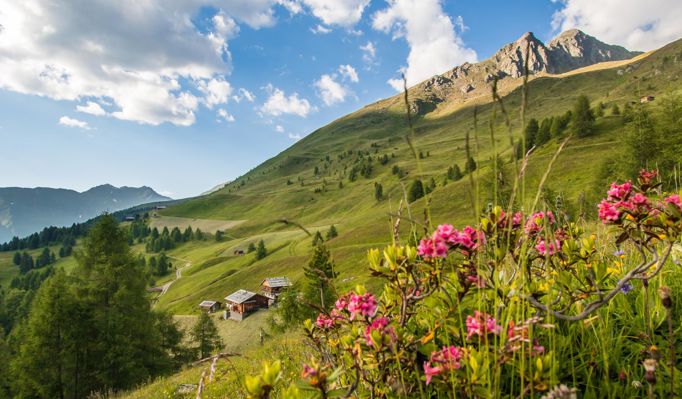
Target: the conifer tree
(17, 258)
(378, 191)
(332, 233)
(319, 274)
(583, 117)
(416, 191)
(531, 131)
(261, 251)
(205, 336)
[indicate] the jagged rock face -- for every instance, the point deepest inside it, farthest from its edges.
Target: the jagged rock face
(570, 50)
(574, 49)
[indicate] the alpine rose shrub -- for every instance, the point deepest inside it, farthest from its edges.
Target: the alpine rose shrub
(469, 313)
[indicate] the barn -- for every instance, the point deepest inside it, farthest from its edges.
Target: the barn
(242, 303)
(209, 306)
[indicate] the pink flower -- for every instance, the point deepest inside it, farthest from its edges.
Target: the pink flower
(646, 176)
(341, 303)
(481, 324)
(548, 248)
(364, 305)
(517, 219)
(379, 324)
(426, 248)
(674, 200)
(468, 238)
(619, 191)
(325, 322)
(445, 233)
(537, 221)
(430, 372)
(640, 200)
(445, 359)
(608, 212)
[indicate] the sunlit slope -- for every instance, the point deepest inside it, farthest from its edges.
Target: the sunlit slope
(286, 187)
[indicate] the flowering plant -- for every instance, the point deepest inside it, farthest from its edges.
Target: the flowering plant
(472, 312)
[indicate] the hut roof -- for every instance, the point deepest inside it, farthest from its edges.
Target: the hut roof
(207, 304)
(240, 296)
(276, 282)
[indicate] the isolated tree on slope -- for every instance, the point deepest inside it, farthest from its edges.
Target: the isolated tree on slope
(583, 117)
(205, 336)
(261, 251)
(319, 274)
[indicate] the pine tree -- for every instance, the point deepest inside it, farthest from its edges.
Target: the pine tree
(205, 336)
(218, 235)
(251, 247)
(531, 132)
(332, 233)
(320, 274)
(261, 251)
(543, 134)
(378, 191)
(198, 235)
(470, 165)
(615, 111)
(17, 258)
(317, 238)
(416, 191)
(583, 118)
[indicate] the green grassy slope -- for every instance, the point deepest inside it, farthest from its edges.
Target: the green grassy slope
(263, 196)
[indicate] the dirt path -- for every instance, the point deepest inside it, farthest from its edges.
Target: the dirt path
(178, 274)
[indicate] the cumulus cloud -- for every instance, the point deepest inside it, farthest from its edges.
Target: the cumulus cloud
(294, 136)
(225, 116)
(337, 12)
(279, 129)
(348, 72)
(91, 108)
(216, 91)
(71, 122)
(279, 103)
(634, 24)
(369, 54)
(434, 44)
(244, 94)
(150, 71)
(331, 91)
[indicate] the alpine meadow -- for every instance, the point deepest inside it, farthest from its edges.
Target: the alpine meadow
(500, 228)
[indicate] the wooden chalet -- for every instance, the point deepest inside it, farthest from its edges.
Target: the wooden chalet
(210, 306)
(242, 303)
(273, 286)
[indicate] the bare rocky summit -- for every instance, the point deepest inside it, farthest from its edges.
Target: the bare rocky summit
(570, 50)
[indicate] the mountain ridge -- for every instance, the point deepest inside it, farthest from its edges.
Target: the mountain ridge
(27, 210)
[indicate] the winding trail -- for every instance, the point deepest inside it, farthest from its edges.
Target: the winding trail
(178, 274)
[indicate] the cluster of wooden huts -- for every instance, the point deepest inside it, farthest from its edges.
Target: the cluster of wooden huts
(241, 303)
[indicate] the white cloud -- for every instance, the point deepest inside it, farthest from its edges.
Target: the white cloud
(369, 54)
(279, 103)
(146, 58)
(279, 129)
(330, 90)
(320, 30)
(71, 122)
(244, 94)
(91, 108)
(348, 72)
(634, 24)
(337, 12)
(293, 6)
(294, 136)
(216, 91)
(435, 47)
(224, 115)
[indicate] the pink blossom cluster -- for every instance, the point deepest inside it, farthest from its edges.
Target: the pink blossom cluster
(482, 324)
(622, 198)
(363, 305)
(325, 321)
(446, 237)
(537, 221)
(646, 177)
(445, 359)
(380, 324)
(308, 372)
(673, 200)
(548, 247)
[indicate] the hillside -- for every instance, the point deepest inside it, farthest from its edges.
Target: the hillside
(287, 188)
(27, 210)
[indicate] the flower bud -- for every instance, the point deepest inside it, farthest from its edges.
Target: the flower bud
(650, 370)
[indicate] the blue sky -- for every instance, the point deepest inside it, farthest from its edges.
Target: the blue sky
(183, 95)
